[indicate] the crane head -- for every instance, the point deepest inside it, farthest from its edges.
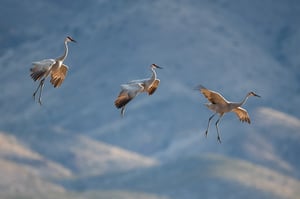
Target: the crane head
(155, 66)
(70, 39)
(253, 94)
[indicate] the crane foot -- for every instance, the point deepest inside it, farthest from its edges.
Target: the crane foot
(219, 139)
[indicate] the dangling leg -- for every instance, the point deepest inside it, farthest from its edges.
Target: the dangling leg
(209, 124)
(40, 95)
(123, 111)
(217, 122)
(37, 89)
(40, 87)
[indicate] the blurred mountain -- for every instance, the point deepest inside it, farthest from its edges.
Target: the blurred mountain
(206, 175)
(77, 145)
(23, 171)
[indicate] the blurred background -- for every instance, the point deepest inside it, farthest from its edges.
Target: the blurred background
(77, 146)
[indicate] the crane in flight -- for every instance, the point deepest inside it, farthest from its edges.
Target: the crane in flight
(55, 67)
(218, 104)
(134, 87)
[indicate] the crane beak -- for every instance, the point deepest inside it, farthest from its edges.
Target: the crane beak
(254, 94)
(71, 39)
(155, 66)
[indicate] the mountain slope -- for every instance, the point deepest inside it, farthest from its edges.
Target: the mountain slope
(201, 176)
(24, 172)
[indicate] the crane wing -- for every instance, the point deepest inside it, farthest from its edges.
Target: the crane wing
(44, 62)
(152, 88)
(137, 81)
(58, 75)
(212, 96)
(242, 114)
(40, 68)
(128, 92)
(122, 99)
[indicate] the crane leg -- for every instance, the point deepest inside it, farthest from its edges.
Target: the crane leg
(217, 122)
(40, 95)
(40, 87)
(123, 111)
(206, 132)
(36, 90)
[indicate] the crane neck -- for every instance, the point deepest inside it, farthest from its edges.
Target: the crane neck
(63, 57)
(153, 77)
(243, 101)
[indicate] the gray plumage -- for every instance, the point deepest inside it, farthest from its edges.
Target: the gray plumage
(218, 104)
(131, 89)
(55, 67)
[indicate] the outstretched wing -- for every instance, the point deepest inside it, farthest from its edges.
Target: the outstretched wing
(128, 92)
(152, 88)
(40, 68)
(212, 96)
(122, 99)
(44, 62)
(58, 75)
(242, 114)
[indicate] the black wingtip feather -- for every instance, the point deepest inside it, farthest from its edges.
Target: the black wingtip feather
(37, 75)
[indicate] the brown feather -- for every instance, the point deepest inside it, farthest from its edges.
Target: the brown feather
(152, 88)
(58, 75)
(122, 99)
(212, 96)
(242, 114)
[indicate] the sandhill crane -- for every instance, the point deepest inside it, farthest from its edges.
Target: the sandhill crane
(134, 87)
(220, 105)
(54, 67)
